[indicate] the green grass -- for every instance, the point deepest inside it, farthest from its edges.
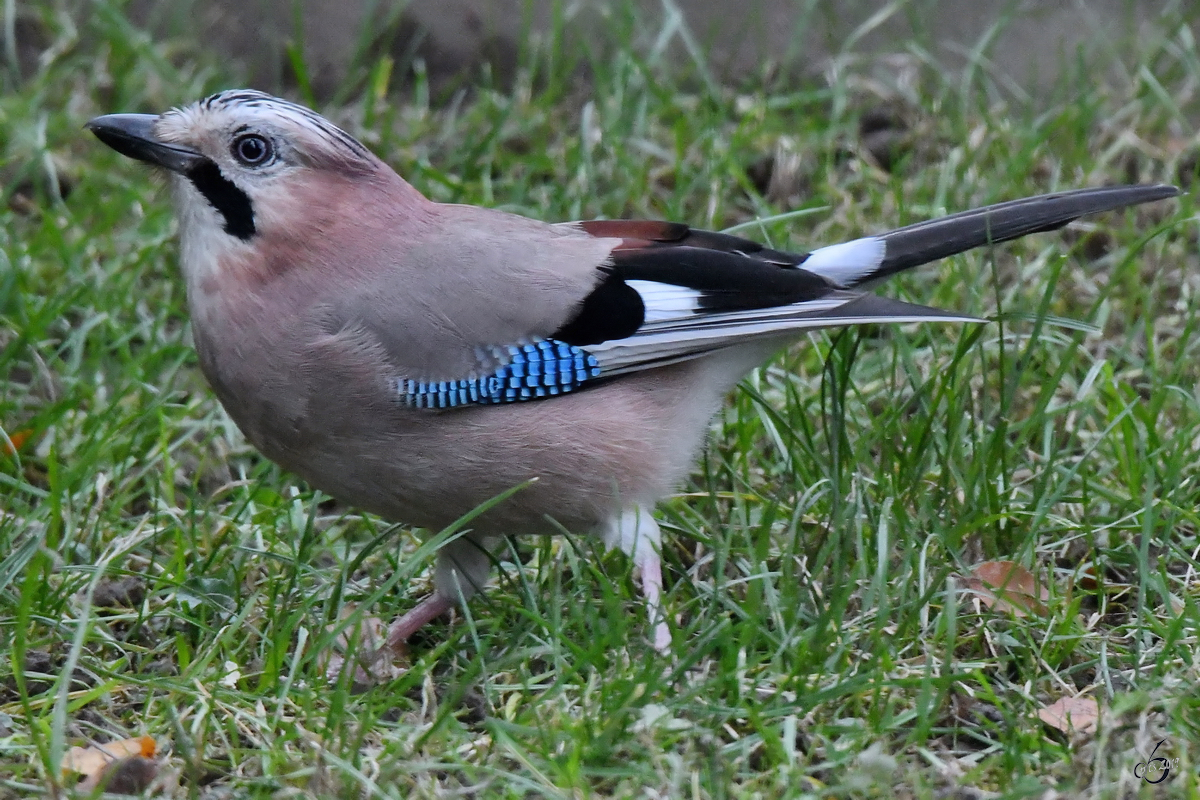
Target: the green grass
(817, 559)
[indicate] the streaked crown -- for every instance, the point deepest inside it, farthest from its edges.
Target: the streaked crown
(252, 132)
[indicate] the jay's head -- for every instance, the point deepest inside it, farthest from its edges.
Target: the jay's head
(245, 166)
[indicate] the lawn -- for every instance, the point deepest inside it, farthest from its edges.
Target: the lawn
(158, 577)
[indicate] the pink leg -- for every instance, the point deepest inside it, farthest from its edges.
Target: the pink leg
(375, 665)
(637, 534)
(424, 612)
(652, 584)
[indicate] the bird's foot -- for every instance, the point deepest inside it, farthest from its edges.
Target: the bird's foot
(420, 615)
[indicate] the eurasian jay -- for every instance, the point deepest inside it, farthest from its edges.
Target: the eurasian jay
(418, 359)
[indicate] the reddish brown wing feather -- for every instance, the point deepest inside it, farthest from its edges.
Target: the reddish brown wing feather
(637, 234)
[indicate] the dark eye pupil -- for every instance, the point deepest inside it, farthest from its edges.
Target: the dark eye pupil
(251, 149)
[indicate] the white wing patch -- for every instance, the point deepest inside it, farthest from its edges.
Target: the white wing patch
(666, 301)
(849, 263)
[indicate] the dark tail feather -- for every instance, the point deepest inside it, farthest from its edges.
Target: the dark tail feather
(945, 236)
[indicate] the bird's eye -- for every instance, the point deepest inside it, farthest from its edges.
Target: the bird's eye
(252, 150)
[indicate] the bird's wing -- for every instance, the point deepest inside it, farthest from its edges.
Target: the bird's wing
(542, 329)
(667, 293)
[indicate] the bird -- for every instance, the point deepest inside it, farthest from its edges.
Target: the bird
(418, 360)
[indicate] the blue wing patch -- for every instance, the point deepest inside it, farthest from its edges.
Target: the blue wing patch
(545, 368)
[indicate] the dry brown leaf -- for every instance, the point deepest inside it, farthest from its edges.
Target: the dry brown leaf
(1078, 714)
(1008, 586)
(91, 762)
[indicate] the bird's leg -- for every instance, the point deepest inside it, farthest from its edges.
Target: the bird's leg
(637, 534)
(652, 583)
(417, 617)
(372, 663)
(462, 570)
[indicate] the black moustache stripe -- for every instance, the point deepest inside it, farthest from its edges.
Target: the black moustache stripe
(230, 201)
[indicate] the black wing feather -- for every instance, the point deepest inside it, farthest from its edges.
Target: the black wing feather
(613, 310)
(726, 280)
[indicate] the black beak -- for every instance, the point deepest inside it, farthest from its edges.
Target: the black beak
(131, 135)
